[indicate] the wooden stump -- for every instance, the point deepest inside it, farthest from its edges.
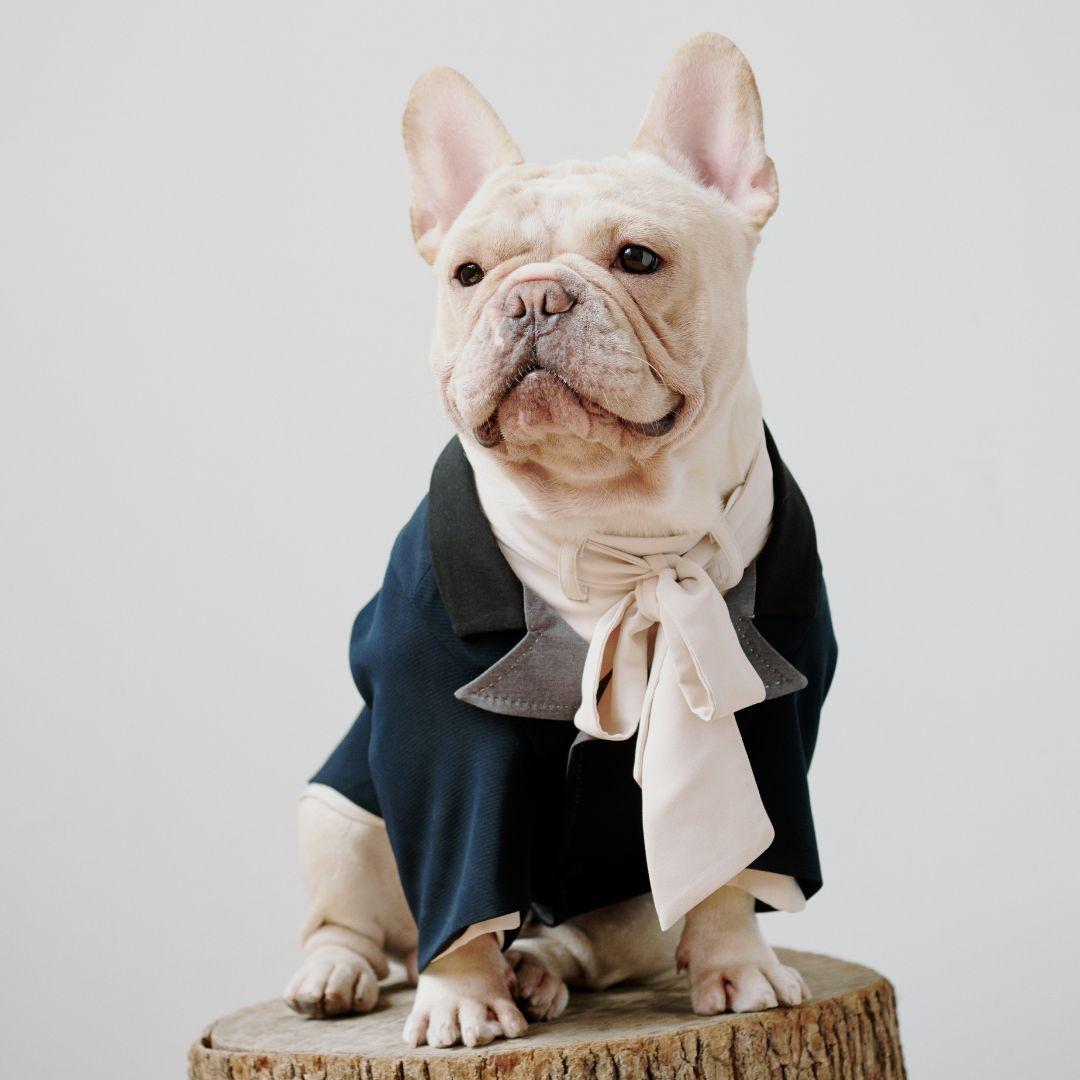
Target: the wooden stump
(847, 1030)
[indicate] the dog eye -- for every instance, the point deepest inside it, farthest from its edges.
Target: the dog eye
(469, 274)
(636, 259)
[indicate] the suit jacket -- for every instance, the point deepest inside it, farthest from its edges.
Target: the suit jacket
(493, 801)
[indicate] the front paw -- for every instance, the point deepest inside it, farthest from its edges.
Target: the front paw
(541, 993)
(466, 996)
(333, 981)
(732, 968)
(738, 985)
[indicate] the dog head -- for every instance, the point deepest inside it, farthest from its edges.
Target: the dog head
(591, 324)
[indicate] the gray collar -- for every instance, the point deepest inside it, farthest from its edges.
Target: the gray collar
(541, 675)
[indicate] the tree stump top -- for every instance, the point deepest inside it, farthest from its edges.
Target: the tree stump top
(847, 1029)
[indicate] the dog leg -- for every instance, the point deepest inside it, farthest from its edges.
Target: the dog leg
(615, 944)
(466, 995)
(732, 968)
(358, 911)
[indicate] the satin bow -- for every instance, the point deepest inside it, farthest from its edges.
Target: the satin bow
(677, 677)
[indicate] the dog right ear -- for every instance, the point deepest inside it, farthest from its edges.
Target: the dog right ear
(453, 141)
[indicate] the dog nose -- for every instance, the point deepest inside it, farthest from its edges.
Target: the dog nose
(533, 300)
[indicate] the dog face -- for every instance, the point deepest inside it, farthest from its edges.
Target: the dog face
(591, 324)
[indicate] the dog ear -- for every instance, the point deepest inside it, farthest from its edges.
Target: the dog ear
(453, 141)
(705, 119)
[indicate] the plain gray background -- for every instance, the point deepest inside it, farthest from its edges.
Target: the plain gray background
(216, 413)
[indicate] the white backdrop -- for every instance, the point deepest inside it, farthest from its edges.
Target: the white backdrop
(215, 415)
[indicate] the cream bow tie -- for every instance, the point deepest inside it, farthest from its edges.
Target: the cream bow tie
(677, 676)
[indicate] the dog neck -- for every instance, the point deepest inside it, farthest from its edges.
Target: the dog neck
(701, 472)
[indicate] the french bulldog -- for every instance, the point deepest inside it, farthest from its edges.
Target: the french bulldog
(590, 348)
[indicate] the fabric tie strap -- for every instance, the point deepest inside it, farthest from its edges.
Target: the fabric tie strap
(677, 676)
(660, 634)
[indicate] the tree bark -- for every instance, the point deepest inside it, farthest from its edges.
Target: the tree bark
(847, 1031)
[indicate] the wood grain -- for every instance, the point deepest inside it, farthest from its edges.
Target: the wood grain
(847, 1030)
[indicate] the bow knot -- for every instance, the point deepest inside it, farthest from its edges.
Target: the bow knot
(675, 617)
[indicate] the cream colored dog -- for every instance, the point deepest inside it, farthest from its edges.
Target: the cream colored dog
(632, 411)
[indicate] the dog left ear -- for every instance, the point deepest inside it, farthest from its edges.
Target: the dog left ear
(454, 141)
(705, 119)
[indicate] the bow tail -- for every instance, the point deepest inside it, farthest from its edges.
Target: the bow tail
(597, 661)
(704, 820)
(644, 724)
(620, 646)
(717, 680)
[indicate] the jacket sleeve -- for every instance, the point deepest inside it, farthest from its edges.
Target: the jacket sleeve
(454, 784)
(780, 735)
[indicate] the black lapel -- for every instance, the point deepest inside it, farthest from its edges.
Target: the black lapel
(483, 595)
(788, 567)
(480, 591)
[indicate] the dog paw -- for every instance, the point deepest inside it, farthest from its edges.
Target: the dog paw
(541, 994)
(466, 996)
(333, 981)
(731, 966)
(744, 987)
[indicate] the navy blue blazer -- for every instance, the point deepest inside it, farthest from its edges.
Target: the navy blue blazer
(490, 805)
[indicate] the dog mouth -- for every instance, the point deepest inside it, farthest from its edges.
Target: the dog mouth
(489, 433)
